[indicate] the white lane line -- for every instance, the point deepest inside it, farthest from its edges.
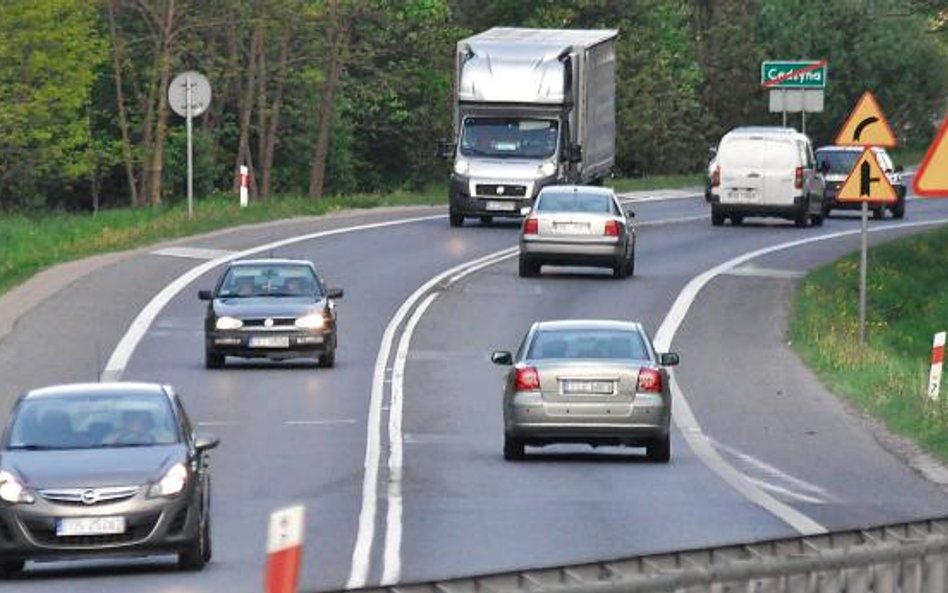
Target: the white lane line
(362, 551)
(784, 492)
(685, 419)
(193, 252)
(754, 271)
(671, 195)
(133, 335)
(319, 422)
(218, 423)
(391, 559)
(794, 486)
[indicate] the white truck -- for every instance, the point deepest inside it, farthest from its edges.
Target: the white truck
(533, 107)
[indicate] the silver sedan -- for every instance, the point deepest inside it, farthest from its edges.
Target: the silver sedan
(594, 382)
(576, 225)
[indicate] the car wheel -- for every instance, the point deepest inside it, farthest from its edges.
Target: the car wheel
(801, 219)
(737, 219)
(659, 450)
(630, 269)
(196, 555)
(213, 360)
(487, 219)
(898, 211)
(455, 219)
(878, 213)
(717, 218)
(527, 268)
(513, 448)
(621, 270)
(11, 568)
(328, 360)
(816, 219)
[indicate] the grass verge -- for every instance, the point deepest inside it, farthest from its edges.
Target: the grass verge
(907, 303)
(656, 182)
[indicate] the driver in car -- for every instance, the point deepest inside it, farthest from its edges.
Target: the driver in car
(136, 428)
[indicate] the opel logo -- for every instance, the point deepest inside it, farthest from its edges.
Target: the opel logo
(268, 322)
(500, 190)
(90, 497)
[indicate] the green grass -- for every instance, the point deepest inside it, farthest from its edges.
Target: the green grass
(908, 156)
(625, 184)
(907, 303)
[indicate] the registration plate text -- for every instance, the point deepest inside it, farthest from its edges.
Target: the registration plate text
(571, 228)
(270, 342)
(573, 387)
(498, 205)
(73, 527)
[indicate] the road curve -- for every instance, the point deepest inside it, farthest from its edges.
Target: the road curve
(292, 433)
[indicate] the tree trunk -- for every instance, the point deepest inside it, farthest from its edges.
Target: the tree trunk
(120, 102)
(156, 164)
(246, 111)
(270, 133)
(338, 48)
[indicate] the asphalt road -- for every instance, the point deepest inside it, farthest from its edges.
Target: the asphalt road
(446, 504)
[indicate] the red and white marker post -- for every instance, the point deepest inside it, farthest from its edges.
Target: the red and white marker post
(284, 549)
(244, 185)
(938, 358)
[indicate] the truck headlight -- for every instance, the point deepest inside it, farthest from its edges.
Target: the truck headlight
(12, 491)
(228, 323)
(548, 168)
(461, 166)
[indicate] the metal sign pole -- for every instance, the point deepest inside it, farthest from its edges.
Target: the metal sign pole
(803, 116)
(863, 270)
(188, 107)
(783, 102)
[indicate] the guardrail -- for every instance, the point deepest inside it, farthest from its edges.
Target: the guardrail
(903, 558)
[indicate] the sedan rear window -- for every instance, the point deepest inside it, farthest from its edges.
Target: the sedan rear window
(588, 343)
(93, 421)
(575, 202)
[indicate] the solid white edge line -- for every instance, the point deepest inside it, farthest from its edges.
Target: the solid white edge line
(391, 563)
(139, 326)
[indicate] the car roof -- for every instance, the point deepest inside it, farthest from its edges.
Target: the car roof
(765, 130)
(859, 149)
(563, 324)
(271, 261)
(578, 189)
(107, 388)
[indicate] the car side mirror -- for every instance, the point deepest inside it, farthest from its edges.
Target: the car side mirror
(334, 293)
(525, 211)
(205, 295)
(630, 213)
(502, 357)
(899, 169)
(575, 153)
(206, 442)
(668, 359)
(445, 148)
(712, 152)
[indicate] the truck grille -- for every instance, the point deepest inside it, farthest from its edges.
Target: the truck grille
(500, 190)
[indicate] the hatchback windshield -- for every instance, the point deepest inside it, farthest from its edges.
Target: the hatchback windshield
(509, 137)
(575, 202)
(93, 421)
(588, 343)
(269, 280)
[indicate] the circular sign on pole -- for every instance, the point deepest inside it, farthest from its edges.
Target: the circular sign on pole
(200, 93)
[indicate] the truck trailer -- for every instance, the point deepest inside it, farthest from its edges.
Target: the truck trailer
(533, 107)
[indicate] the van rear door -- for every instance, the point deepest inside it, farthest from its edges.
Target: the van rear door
(781, 159)
(742, 170)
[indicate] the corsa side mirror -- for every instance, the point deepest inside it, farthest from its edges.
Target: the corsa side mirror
(206, 442)
(334, 293)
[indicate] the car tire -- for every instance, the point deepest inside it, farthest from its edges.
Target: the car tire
(195, 556)
(801, 219)
(898, 211)
(620, 271)
(878, 213)
(328, 360)
(213, 360)
(455, 219)
(487, 219)
(737, 219)
(630, 266)
(527, 268)
(816, 219)
(659, 450)
(717, 218)
(11, 568)
(513, 449)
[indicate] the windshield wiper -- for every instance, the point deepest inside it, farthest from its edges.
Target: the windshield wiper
(33, 448)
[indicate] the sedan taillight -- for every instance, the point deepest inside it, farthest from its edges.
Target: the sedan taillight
(650, 381)
(612, 228)
(527, 379)
(531, 226)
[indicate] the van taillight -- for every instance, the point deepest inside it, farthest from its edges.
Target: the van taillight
(716, 176)
(798, 178)
(531, 226)
(527, 379)
(650, 381)
(612, 228)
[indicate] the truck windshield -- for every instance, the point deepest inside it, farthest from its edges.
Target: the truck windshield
(509, 137)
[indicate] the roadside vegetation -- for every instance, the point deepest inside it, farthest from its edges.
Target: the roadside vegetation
(907, 305)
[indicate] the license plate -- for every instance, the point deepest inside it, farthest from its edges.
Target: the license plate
(571, 228)
(588, 387)
(743, 195)
(269, 342)
(495, 205)
(90, 526)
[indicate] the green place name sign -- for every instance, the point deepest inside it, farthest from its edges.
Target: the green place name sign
(793, 74)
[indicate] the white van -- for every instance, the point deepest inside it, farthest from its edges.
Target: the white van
(766, 171)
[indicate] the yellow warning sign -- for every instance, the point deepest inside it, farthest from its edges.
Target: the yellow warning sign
(866, 125)
(867, 182)
(931, 180)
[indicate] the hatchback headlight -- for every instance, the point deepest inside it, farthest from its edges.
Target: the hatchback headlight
(461, 166)
(311, 321)
(172, 483)
(229, 323)
(548, 168)
(12, 491)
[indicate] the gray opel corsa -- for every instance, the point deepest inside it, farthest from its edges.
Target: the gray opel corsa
(103, 469)
(583, 381)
